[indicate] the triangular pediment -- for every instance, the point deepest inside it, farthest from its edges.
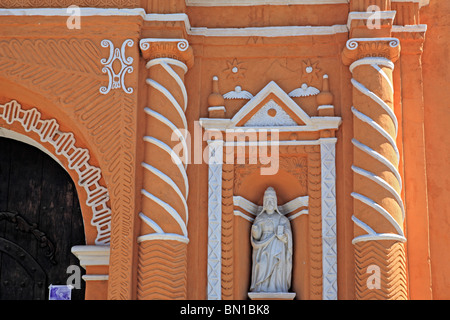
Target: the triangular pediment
(271, 107)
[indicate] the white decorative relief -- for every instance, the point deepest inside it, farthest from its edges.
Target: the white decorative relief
(214, 289)
(78, 160)
(371, 233)
(271, 114)
(167, 65)
(329, 247)
(238, 93)
(117, 79)
(287, 208)
(304, 91)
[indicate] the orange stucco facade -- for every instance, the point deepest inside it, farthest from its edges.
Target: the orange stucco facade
(355, 99)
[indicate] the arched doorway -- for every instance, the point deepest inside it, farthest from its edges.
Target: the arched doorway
(40, 221)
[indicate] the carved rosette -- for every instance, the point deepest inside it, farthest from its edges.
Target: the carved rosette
(164, 215)
(378, 206)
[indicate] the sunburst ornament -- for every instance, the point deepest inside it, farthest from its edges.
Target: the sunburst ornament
(235, 70)
(310, 71)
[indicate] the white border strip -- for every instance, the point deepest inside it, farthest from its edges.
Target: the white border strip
(235, 3)
(242, 3)
(286, 31)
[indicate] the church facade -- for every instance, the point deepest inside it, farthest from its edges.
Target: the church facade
(170, 119)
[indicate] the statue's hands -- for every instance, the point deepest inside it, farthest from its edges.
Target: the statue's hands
(256, 232)
(282, 237)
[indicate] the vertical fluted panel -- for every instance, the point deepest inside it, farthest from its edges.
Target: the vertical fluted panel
(378, 207)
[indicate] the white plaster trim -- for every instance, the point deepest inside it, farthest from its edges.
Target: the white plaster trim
(170, 97)
(92, 255)
(325, 106)
(271, 88)
(174, 129)
(214, 268)
(169, 209)
(152, 224)
(171, 183)
(272, 295)
(379, 157)
(329, 235)
(385, 15)
(159, 61)
(219, 108)
(318, 123)
(298, 214)
(361, 116)
(237, 213)
(381, 182)
(361, 88)
(373, 61)
(163, 236)
(95, 277)
(236, 3)
(410, 28)
(285, 31)
(380, 210)
(176, 160)
(385, 76)
(285, 209)
(282, 31)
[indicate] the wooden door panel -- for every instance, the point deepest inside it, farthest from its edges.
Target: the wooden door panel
(42, 193)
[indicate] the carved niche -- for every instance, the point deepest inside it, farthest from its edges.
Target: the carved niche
(303, 156)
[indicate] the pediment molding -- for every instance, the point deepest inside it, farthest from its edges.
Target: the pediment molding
(287, 114)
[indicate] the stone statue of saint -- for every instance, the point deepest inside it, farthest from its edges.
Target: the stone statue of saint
(271, 239)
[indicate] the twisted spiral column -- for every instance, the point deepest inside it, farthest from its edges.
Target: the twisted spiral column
(163, 238)
(378, 206)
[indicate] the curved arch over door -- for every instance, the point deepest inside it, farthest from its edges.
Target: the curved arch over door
(41, 215)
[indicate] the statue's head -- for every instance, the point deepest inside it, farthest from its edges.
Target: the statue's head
(270, 201)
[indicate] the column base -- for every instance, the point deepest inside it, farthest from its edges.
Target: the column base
(271, 295)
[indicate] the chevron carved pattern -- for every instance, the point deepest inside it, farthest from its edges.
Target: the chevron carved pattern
(162, 262)
(388, 258)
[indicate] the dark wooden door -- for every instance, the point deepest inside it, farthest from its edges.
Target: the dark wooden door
(40, 221)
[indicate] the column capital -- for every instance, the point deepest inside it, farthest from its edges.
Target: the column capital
(359, 48)
(179, 49)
